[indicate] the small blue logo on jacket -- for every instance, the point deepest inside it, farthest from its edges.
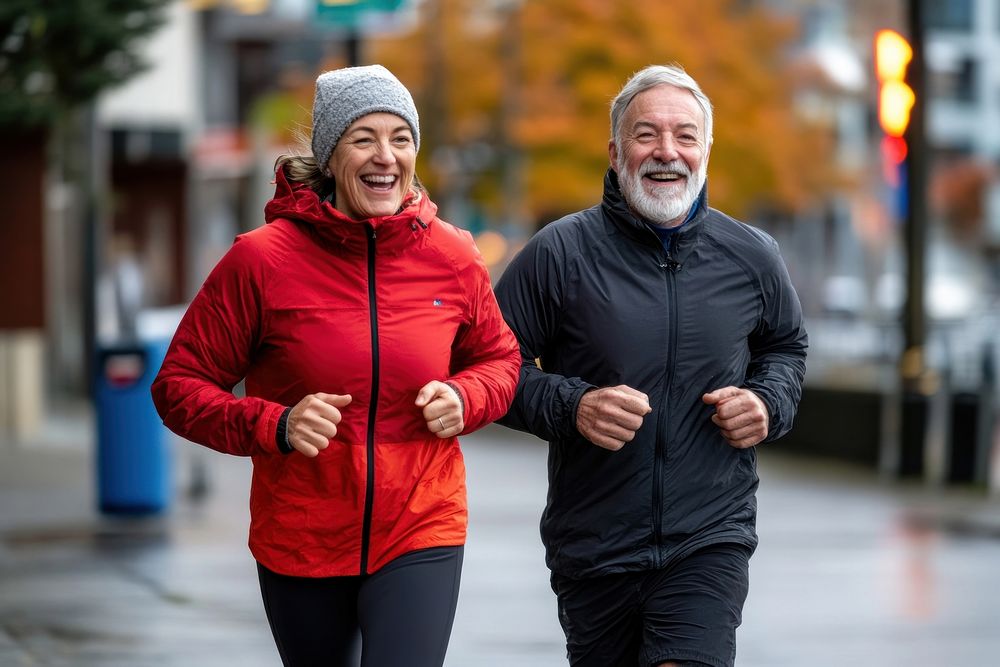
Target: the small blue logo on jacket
(437, 302)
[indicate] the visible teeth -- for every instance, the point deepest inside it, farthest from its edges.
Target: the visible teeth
(661, 176)
(378, 178)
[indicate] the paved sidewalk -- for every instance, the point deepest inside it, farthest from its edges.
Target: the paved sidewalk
(850, 570)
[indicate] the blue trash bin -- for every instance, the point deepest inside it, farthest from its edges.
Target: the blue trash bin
(133, 456)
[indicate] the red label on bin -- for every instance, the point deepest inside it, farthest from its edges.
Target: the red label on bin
(121, 370)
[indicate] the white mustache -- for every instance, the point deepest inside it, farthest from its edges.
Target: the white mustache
(654, 166)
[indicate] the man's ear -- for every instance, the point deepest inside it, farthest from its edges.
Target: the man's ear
(613, 154)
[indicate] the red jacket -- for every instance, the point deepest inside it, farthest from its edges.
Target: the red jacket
(316, 302)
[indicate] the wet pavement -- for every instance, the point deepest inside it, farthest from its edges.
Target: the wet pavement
(851, 569)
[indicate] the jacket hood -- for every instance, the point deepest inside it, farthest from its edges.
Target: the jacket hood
(298, 202)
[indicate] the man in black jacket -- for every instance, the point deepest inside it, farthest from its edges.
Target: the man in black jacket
(661, 341)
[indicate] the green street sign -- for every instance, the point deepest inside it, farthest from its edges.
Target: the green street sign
(347, 13)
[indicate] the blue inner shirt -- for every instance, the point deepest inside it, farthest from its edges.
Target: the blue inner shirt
(668, 234)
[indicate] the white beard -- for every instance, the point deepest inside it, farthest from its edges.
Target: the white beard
(660, 208)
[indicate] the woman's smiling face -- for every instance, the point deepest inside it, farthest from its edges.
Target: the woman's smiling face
(373, 166)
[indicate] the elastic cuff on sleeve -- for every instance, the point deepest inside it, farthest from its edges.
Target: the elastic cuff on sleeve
(569, 418)
(458, 392)
(281, 436)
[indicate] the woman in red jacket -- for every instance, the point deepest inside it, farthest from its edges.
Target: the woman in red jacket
(369, 338)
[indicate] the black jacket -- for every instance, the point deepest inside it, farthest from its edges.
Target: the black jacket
(599, 302)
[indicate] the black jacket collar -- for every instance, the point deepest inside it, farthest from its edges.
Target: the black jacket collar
(616, 209)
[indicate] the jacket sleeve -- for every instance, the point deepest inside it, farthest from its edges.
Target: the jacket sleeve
(210, 353)
(530, 294)
(778, 349)
(484, 359)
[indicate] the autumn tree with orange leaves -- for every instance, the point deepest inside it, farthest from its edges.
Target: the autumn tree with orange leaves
(528, 85)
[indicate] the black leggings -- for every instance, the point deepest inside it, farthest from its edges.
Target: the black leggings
(400, 615)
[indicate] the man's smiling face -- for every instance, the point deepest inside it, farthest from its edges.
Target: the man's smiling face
(661, 154)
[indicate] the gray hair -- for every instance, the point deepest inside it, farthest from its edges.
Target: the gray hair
(651, 77)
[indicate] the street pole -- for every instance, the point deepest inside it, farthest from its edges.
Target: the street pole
(91, 179)
(511, 154)
(434, 131)
(352, 47)
(918, 382)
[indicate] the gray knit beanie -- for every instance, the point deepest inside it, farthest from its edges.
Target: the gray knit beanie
(344, 95)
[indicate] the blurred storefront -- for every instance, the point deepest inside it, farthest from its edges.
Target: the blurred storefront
(186, 151)
(848, 258)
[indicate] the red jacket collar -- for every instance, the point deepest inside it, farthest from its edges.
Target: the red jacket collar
(298, 202)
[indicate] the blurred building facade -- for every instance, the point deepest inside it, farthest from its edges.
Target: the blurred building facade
(188, 167)
(179, 171)
(848, 258)
(847, 255)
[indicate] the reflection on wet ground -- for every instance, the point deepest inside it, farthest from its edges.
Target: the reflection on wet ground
(850, 570)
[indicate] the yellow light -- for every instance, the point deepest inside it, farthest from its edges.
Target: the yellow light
(250, 7)
(492, 246)
(892, 54)
(896, 99)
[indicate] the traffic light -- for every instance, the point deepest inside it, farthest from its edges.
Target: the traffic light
(895, 97)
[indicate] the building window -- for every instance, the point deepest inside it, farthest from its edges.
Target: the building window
(139, 144)
(957, 83)
(965, 89)
(951, 15)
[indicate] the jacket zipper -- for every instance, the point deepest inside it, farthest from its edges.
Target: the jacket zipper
(671, 267)
(366, 526)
